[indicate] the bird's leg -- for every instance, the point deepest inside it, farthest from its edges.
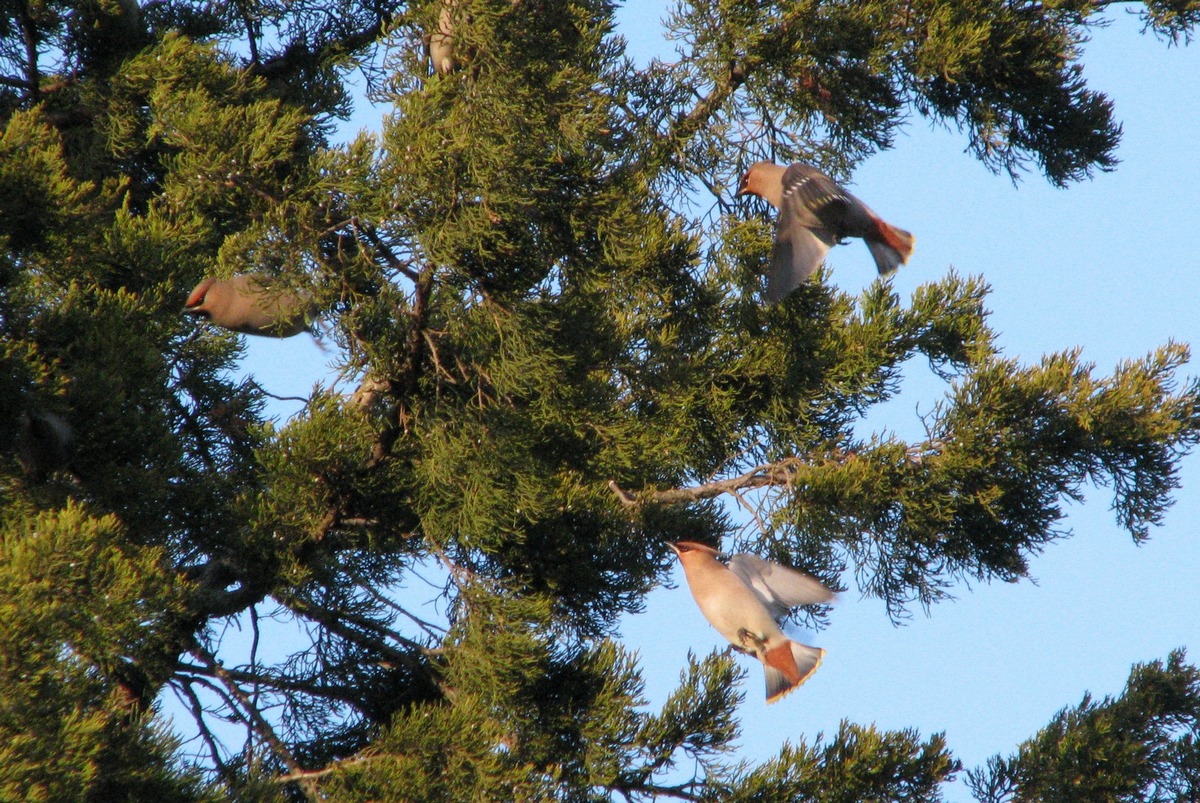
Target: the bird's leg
(750, 642)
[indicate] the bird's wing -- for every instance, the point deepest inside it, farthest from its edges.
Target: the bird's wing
(779, 588)
(797, 254)
(815, 199)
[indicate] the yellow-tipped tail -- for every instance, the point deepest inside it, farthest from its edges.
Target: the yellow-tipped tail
(789, 665)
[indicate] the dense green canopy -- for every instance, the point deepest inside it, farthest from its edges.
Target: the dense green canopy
(551, 304)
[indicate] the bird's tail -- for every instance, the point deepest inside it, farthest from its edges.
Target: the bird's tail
(891, 247)
(787, 665)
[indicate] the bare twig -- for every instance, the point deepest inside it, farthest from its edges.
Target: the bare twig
(273, 681)
(336, 623)
(429, 627)
(256, 719)
(758, 520)
(277, 397)
(382, 248)
(193, 701)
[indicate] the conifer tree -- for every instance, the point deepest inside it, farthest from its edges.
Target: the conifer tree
(1140, 746)
(562, 360)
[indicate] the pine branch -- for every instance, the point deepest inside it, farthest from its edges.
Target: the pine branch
(332, 768)
(775, 474)
(677, 792)
(687, 125)
(256, 719)
(197, 709)
(334, 622)
(299, 55)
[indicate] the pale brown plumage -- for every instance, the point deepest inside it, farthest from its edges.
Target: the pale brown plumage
(815, 213)
(247, 303)
(743, 601)
(440, 42)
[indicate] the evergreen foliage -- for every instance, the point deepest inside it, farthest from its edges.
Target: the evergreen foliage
(562, 363)
(1140, 746)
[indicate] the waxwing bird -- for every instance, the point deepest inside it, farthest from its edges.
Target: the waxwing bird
(45, 444)
(247, 304)
(440, 43)
(743, 602)
(815, 214)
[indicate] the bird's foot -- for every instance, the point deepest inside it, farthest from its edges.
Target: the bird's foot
(750, 642)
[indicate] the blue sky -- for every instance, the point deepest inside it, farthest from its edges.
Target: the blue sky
(1108, 265)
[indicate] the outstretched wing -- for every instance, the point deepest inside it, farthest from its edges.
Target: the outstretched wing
(779, 587)
(797, 255)
(810, 213)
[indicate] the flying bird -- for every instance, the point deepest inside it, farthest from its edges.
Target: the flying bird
(815, 214)
(744, 601)
(248, 304)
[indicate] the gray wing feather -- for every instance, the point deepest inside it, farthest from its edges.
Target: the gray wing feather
(779, 588)
(797, 254)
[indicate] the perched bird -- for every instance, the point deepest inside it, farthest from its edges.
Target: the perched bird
(45, 444)
(815, 214)
(247, 304)
(744, 600)
(440, 43)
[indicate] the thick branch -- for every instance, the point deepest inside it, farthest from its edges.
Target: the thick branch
(782, 472)
(708, 105)
(299, 55)
(686, 126)
(405, 386)
(394, 262)
(678, 792)
(332, 768)
(211, 597)
(30, 36)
